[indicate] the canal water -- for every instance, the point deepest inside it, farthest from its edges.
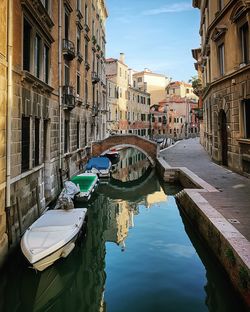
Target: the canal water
(139, 254)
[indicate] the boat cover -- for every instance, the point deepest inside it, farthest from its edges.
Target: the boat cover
(50, 232)
(100, 163)
(85, 181)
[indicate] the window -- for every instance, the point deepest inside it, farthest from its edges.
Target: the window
(66, 74)
(45, 139)
(37, 140)
(46, 4)
(187, 91)
(221, 55)
(26, 45)
(246, 112)
(66, 136)
(139, 79)
(220, 4)
(66, 25)
(78, 5)
(85, 133)
(86, 51)
(86, 14)
(244, 40)
(78, 134)
(173, 90)
(46, 64)
(78, 40)
(36, 51)
(78, 84)
(25, 143)
(86, 91)
(37, 56)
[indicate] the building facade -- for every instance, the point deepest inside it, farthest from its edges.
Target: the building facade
(153, 83)
(56, 99)
(128, 105)
(224, 31)
(3, 125)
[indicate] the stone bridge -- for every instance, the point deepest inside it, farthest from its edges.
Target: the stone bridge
(147, 147)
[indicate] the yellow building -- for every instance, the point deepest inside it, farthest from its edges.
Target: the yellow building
(153, 83)
(224, 30)
(181, 89)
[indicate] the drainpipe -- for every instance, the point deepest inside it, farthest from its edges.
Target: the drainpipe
(60, 83)
(9, 112)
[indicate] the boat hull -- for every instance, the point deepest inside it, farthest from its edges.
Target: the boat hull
(50, 259)
(52, 236)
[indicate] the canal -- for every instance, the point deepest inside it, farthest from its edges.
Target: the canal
(139, 254)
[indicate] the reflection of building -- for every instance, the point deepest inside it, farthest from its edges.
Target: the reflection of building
(225, 56)
(132, 165)
(156, 198)
(120, 219)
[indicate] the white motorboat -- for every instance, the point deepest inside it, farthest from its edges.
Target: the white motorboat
(52, 236)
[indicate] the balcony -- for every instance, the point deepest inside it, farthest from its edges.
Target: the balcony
(68, 100)
(95, 78)
(68, 49)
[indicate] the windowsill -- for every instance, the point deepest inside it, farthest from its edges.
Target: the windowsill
(244, 141)
(36, 81)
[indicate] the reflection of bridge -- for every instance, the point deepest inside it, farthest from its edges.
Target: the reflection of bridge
(133, 190)
(146, 146)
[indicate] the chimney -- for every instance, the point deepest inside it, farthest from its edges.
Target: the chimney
(122, 58)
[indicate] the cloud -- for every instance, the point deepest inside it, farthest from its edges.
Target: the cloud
(172, 8)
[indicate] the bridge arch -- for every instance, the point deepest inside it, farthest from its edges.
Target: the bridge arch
(147, 147)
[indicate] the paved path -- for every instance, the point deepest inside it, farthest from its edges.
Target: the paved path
(233, 200)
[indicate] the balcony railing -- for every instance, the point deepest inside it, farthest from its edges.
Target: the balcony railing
(68, 100)
(68, 49)
(95, 78)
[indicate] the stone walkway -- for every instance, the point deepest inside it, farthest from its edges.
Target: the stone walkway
(233, 200)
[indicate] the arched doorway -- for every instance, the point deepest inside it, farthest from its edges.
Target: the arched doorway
(223, 137)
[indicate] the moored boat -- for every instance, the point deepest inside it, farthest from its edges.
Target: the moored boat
(52, 236)
(87, 183)
(100, 166)
(113, 155)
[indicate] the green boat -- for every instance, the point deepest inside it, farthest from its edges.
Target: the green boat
(87, 183)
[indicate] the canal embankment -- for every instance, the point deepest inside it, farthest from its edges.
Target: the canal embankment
(216, 202)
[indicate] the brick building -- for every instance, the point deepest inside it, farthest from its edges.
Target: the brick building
(224, 31)
(56, 99)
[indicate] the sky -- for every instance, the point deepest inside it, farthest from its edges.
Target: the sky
(154, 34)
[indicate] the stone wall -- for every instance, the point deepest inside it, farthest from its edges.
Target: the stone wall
(3, 107)
(227, 95)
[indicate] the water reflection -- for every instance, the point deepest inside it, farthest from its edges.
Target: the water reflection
(132, 165)
(141, 220)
